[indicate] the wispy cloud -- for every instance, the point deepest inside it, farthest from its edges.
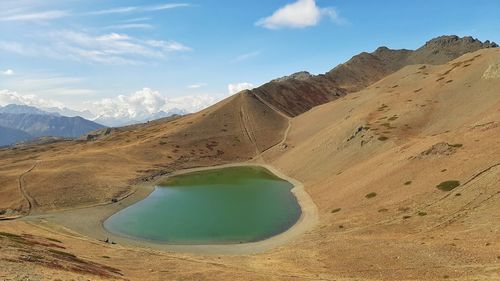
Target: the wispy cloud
(130, 26)
(142, 19)
(139, 9)
(300, 14)
(246, 56)
(110, 48)
(167, 6)
(48, 85)
(23, 15)
(39, 16)
(197, 86)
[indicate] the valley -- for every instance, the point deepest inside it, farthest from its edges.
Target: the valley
(398, 151)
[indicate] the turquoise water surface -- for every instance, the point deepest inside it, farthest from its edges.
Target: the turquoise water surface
(229, 205)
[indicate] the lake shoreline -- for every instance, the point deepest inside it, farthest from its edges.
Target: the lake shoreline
(89, 221)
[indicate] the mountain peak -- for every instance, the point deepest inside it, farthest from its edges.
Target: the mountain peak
(453, 40)
(301, 75)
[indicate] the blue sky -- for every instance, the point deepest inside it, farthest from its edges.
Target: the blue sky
(77, 53)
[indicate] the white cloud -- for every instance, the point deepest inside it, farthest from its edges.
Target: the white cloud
(11, 97)
(130, 26)
(197, 86)
(300, 14)
(119, 10)
(8, 72)
(238, 87)
(246, 56)
(146, 102)
(123, 109)
(135, 9)
(40, 16)
(167, 6)
(111, 48)
(168, 46)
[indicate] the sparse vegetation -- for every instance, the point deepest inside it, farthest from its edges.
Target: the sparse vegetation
(408, 183)
(10, 235)
(406, 217)
(422, 214)
(53, 240)
(371, 195)
(336, 210)
(383, 107)
(448, 185)
(383, 210)
(383, 138)
(62, 254)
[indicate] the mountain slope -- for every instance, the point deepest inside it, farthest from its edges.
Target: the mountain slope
(371, 161)
(9, 136)
(295, 96)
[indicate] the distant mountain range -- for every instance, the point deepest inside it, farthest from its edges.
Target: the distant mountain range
(25, 123)
(19, 123)
(120, 121)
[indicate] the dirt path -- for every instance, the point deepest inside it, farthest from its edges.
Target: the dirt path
(285, 135)
(271, 106)
(245, 122)
(29, 199)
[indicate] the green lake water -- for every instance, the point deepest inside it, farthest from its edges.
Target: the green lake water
(229, 205)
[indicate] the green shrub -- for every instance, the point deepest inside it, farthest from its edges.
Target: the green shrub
(448, 185)
(371, 195)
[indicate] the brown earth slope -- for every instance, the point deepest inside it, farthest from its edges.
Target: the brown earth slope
(295, 96)
(371, 161)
